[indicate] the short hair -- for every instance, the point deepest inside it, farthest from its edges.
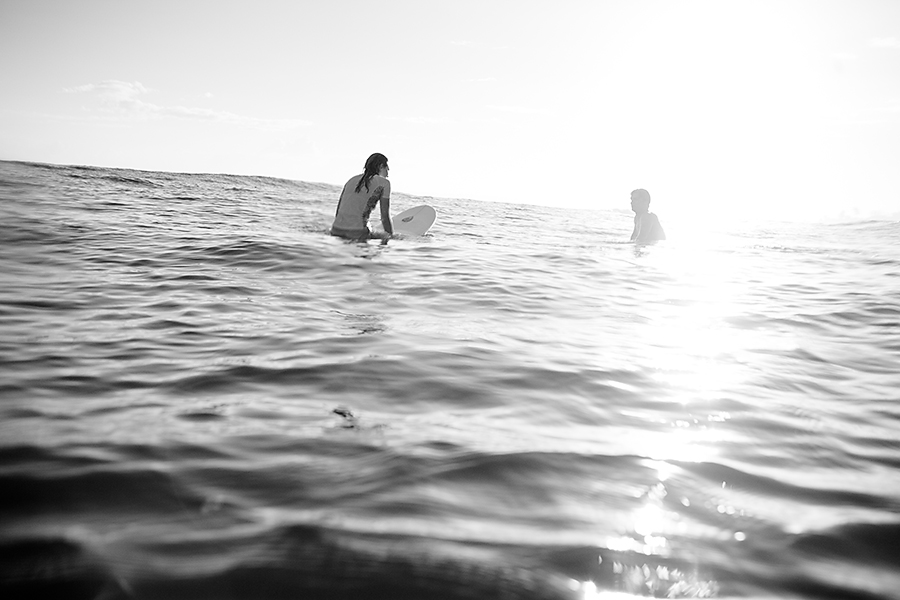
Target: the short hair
(641, 194)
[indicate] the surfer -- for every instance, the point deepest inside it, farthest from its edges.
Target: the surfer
(359, 197)
(646, 224)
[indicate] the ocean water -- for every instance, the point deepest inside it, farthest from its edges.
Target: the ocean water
(205, 396)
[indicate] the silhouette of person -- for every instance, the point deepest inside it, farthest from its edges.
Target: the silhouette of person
(358, 198)
(646, 224)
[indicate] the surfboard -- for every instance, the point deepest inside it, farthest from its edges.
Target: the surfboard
(414, 221)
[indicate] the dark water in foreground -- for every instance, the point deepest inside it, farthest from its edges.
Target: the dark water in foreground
(202, 395)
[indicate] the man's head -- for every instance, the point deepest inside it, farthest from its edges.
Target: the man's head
(640, 201)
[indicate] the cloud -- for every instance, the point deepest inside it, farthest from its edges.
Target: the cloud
(122, 96)
(479, 45)
(885, 42)
(111, 88)
(113, 92)
(206, 114)
(417, 120)
(517, 110)
(892, 108)
(844, 57)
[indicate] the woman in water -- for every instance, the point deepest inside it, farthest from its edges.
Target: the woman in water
(359, 197)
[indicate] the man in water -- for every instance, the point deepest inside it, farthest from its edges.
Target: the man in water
(646, 224)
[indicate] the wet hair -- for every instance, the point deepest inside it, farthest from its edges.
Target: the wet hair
(641, 194)
(373, 165)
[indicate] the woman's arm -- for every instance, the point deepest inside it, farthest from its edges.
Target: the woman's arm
(386, 215)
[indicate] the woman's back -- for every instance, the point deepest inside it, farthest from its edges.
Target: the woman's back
(354, 207)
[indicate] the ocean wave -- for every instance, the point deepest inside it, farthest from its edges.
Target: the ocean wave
(206, 395)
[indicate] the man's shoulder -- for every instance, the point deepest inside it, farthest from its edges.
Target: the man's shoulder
(652, 221)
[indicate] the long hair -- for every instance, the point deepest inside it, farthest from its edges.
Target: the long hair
(373, 165)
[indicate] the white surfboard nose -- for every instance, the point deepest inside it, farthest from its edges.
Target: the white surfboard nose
(415, 221)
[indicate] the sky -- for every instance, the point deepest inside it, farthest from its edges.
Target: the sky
(723, 108)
